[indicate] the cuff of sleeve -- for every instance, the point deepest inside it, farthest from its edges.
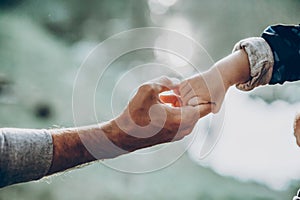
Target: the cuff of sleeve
(261, 62)
(26, 155)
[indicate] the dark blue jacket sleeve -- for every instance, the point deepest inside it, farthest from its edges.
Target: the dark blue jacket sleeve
(284, 41)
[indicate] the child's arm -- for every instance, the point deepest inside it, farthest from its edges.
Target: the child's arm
(211, 86)
(248, 66)
(270, 59)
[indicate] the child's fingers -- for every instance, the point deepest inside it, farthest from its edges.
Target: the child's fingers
(172, 99)
(194, 101)
(185, 88)
(203, 109)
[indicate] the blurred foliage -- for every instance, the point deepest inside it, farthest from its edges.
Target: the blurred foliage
(42, 44)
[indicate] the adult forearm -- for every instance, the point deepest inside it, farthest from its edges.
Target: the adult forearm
(27, 154)
(68, 150)
(76, 146)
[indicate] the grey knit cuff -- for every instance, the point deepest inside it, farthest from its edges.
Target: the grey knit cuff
(25, 155)
(261, 62)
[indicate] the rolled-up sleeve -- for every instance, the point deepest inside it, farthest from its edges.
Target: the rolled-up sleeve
(25, 155)
(260, 59)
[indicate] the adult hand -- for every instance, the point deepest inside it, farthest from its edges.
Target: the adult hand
(147, 120)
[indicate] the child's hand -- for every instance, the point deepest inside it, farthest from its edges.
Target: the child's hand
(207, 88)
(175, 101)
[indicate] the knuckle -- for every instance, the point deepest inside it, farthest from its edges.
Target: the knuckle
(165, 81)
(146, 88)
(164, 78)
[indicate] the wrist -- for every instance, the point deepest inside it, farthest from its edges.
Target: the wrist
(217, 79)
(235, 68)
(129, 136)
(118, 132)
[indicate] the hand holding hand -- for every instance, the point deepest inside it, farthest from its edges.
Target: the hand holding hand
(147, 120)
(204, 92)
(210, 87)
(207, 88)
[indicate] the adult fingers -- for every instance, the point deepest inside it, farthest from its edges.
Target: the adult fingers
(152, 88)
(188, 116)
(182, 133)
(183, 120)
(164, 83)
(185, 115)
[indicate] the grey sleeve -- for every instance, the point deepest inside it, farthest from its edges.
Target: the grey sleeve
(25, 155)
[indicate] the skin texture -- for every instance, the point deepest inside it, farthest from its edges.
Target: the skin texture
(148, 120)
(297, 128)
(145, 122)
(210, 87)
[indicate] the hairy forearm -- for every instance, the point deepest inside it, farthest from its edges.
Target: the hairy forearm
(76, 146)
(32, 154)
(133, 129)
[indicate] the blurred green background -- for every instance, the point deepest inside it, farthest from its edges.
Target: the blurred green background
(42, 45)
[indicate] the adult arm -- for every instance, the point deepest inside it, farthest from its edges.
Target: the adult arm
(27, 155)
(145, 122)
